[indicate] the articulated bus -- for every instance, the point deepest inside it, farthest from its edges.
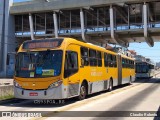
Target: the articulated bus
(144, 69)
(63, 68)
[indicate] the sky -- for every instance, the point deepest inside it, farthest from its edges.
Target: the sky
(141, 48)
(150, 52)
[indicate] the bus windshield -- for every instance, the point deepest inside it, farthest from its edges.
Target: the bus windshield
(39, 64)
(142, 68)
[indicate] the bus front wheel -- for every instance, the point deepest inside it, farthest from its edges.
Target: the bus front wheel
(83, 92)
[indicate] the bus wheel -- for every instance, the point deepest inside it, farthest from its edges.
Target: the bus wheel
(83, 92)
(130, 81)
(110, 85)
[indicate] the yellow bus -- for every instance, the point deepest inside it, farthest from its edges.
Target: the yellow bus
(63, 68)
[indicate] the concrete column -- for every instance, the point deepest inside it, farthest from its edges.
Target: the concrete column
(82, 24)
(31, 26)
(35, 27)
(98, 18)
(128, 16)
(113, 35)
(8, 43)
(22, 25)
(55, 24)
(2, 25)
(145, 19)
(111, 21)
(70, 19)
(45, 23)
(147, 37)
(59, 22)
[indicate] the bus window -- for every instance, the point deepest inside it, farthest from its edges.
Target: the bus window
(84, 56)
(132, 64)
(114, 61)
(123, 62)
(151, 66)
(105, 60)
(127, 63)
(71, 63)
(99, 57)
(110, 60)
(92, 58)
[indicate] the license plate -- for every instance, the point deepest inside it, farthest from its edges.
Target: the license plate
(33, 94)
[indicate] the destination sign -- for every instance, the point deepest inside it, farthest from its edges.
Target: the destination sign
(48, 43)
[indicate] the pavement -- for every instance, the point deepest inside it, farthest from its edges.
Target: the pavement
(133, 104)
(5, 81)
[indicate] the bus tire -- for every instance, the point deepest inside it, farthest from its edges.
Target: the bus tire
(83, 92)
(130, 80)
(110, 85)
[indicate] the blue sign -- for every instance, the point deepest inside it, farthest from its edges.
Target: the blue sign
(39, 70)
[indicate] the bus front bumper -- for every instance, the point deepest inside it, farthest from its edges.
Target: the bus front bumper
(54, 93)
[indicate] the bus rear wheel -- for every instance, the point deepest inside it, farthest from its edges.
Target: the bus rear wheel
(110, 85)
(130, 81)
(83, 92)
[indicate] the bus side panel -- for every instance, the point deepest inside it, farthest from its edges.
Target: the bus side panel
(100, 76)
(112, 73)
(94, 76)
(126, 73)
(98, 79)
(133, 74)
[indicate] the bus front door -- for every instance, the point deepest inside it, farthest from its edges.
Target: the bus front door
(71, 72)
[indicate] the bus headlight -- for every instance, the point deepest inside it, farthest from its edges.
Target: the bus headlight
(17, 84)
(55, 84)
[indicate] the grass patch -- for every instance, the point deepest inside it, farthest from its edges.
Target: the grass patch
(6, 97)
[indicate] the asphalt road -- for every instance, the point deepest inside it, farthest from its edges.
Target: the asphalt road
(144, 98)
(120, 104)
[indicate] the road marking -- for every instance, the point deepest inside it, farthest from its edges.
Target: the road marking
(86, 101)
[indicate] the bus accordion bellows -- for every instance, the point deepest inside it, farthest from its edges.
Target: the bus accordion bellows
(63, 68)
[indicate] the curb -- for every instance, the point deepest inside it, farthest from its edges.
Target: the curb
(7, 101)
